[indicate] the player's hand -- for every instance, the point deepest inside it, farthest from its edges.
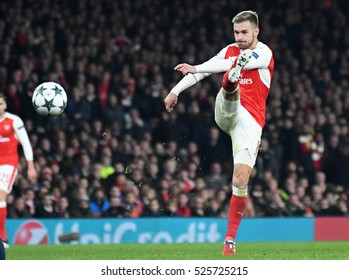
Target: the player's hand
(32, 175)
(170, 101)
(185, 68)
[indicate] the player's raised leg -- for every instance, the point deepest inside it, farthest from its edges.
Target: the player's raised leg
(242, 60)
(230, 83)
(228, 98)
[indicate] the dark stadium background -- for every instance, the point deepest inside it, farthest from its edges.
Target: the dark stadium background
(115, 152)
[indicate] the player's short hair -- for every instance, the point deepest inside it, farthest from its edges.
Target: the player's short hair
(249, 15)
(3, 96)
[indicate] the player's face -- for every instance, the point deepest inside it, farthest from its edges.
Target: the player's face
(245, 35)
(2, 107)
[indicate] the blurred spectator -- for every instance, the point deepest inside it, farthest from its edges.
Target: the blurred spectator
(82, 209)
(99, 202)
(267, 160)
(171, 209)
(214, 149)
(258, 199)
(113, 111)
(64, 207)
(18, 210)
(164, 190)
(106, 167)
(213, 209)
(326, 209)
(198, 207)
(104, 89)
(215, 178)
(132, 205)
(316, 196)
(153, 209)
(47, 208)
(308, 207)
(30, 201)
(183, 209)
(78, 109)
(115, 209)
(137, 126)
(343, 208)
(295, 207)
(276, 207)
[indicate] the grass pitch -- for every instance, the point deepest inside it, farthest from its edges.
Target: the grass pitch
(205, 251)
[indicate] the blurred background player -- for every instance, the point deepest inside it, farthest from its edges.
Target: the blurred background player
(240, 105)
(12, 132)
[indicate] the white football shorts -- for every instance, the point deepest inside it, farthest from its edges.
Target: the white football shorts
(8, 175)
(243, 129)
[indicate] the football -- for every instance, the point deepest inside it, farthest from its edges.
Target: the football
(49, 99)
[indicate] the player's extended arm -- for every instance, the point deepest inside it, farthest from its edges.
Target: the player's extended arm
(192, 77)
(215, 66)
(210, 66)
(23, 138)
(187, 81)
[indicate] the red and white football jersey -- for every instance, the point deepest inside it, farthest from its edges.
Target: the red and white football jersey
(13, 132)
(255, 80)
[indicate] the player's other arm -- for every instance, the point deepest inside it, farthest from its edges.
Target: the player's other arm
(194, 74)
(186, 82)
(216, 64)
(22, 136)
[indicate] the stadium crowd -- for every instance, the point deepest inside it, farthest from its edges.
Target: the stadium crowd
(116, 152)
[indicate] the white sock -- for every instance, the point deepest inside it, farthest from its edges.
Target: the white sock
(241, 192)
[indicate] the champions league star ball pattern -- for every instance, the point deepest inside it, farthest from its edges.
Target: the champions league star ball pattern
(49, 99)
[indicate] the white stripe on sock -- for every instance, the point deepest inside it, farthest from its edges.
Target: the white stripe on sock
(241, 192)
